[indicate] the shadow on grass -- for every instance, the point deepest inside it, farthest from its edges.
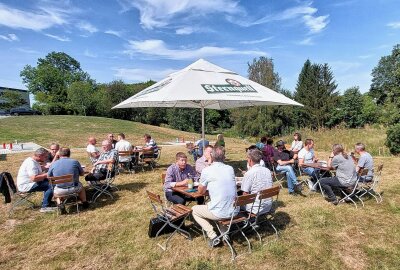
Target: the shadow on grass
(132, 187)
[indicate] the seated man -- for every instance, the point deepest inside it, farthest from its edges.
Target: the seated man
(66, 165)
(263, 141)
(113, 141)
(199, 144)
(92, 151)
(219, 180)
(99, 171)
(151, 146)
(307, 155)
(205, 160)
(53, 154)
(31, 178)
(177, 176)
(256, 179)
(123, 145)
(364, 162)
(285, 159)
(268, 153)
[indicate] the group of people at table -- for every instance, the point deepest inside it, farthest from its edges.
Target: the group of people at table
(218, 179)
(35, 170)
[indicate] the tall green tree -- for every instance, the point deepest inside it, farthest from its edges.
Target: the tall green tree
(80, 96)
(316, 90)
(50, 79)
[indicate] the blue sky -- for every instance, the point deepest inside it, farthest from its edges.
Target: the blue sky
(138, 40)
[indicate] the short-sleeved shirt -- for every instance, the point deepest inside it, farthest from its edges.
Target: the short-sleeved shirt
(123, 145)
(296, 146)
(29, 168)
(307, 155)
(201, 163)
(256, 179)
(152, 143)
(220, 143)
(260, 145)
(221, 185)
(65, 166)
(366, 162)
(284, 155)
(345, 170)
(175, 174)
(112, 154)
(92, 149)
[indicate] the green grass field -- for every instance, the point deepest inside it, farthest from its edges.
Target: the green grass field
(112, 234)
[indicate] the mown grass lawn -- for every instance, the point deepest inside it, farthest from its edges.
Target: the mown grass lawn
(113, 233)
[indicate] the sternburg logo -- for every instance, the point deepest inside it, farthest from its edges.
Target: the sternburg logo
(233, 86)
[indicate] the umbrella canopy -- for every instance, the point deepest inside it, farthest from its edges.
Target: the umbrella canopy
(205, 85)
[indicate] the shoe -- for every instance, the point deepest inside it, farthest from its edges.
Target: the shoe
(213, 242)
(293, 193)
(335, 202)
(47, 209)
(298, 187)
(62, 209)
(85, 205)
(311, 185)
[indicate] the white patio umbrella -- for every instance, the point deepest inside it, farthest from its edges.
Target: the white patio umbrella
(204, 85)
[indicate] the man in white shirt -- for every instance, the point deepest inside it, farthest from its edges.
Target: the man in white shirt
(92, 151)
(123, 145)
(219, 180)
(257, 178)
(31, 178)
(306, 156)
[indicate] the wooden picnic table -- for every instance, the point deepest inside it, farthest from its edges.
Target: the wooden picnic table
(182, 190)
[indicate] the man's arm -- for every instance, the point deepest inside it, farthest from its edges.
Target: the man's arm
(202, 189)
(38, 177)
(283, 163)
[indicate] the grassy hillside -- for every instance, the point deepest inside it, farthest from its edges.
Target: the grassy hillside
(73, 131)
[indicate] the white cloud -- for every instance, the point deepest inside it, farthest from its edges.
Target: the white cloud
(9, 37)
(41, 19)
(115, 33)
(158, 48)
(306, 41)
(137, 74)
(87, 53)
(86, 26)
(27, 50)
(64, 39)
(160, 13)
(366, 56)
(187, 30)
(304, 13)
(256, 41)
(343, 67)
(394, 25)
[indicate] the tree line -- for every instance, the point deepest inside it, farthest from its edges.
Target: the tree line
(60, 86)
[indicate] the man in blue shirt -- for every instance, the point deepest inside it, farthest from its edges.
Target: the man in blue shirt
(66, 165)
(219, 180)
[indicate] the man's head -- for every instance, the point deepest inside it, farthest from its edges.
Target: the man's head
(254, 156)
(106, 145)
(110, 137)
(181, 160)
(121, 136)
(309, 143)
(207, 152)
(263, 139)
(92, 140)
(65, 152)
(280, 145)
(147, 137)
(270, 141)
(40, 155)
(359, 148)
(54, 147)
(218, 154)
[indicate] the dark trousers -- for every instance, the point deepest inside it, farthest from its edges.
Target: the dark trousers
(178, 198)
(47, 191)
(97, 176)
(328, 184)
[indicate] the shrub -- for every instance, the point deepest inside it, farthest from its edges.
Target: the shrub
(393, 139)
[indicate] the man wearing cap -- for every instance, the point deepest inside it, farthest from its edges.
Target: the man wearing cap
(284, 160)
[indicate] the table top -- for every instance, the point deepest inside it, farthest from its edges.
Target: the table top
(183, 191)
(317, 166)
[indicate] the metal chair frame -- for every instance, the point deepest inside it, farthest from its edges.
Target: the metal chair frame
(20, 198)
(354, 191)
(168, 215)
(65, 179)
(370, 187)
(148, 158)
(125, 164)
(262, 195)
(105, 186)
(241, 221)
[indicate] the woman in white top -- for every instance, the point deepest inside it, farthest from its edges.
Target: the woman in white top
(297, 144)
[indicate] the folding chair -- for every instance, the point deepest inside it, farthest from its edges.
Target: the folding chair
(127, 159)
(303, 178)
(170, 215)
(241, 221)
(259, 218)
(371, 187)
(105, 186)
(20, 198)
(349, 192)
(278, 176)
(65, 179)
(148, 158)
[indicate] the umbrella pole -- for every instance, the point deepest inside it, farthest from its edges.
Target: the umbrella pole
(202, 126)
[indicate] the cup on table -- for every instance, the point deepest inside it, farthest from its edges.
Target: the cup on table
(190, 183)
